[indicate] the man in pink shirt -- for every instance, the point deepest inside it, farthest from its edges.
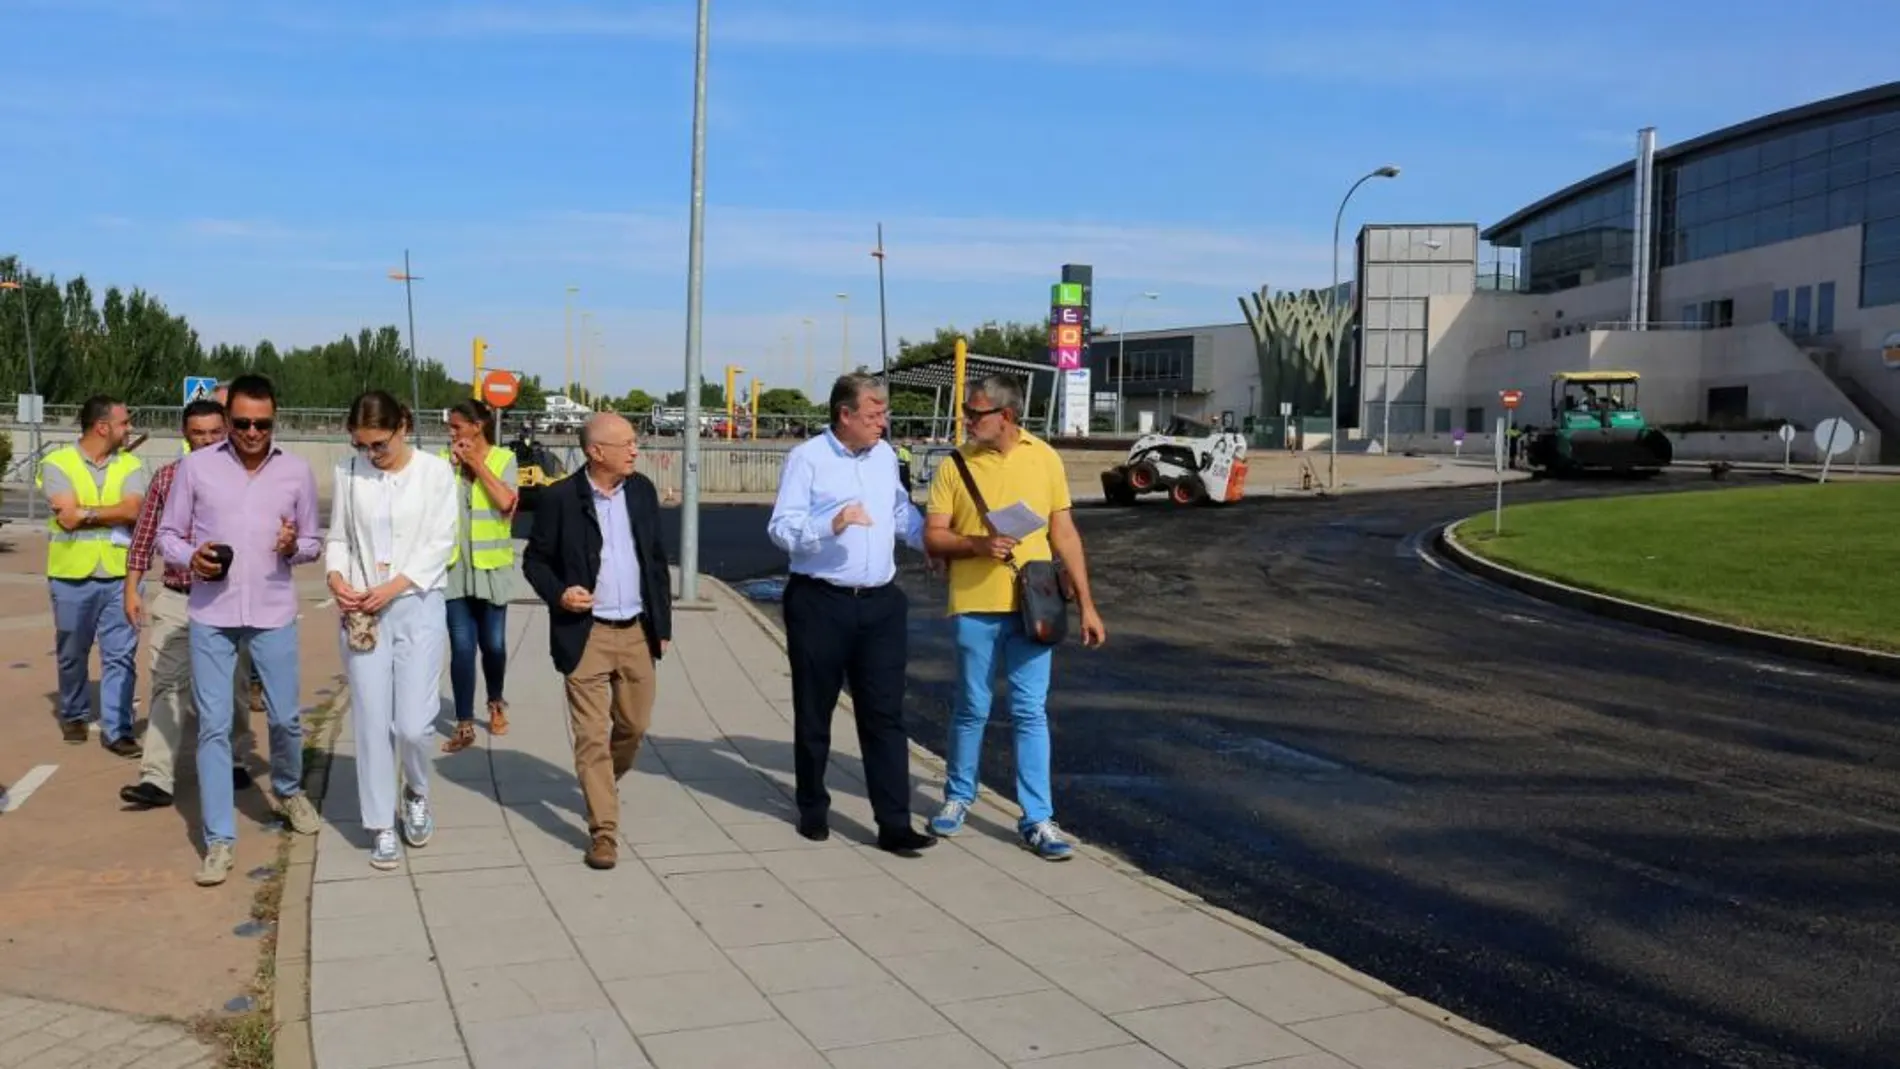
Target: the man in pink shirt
(241, 515)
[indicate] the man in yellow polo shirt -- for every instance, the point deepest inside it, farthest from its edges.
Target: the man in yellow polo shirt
(1010, 466)
(94, 489)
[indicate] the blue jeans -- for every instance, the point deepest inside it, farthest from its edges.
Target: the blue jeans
(981, 638)
(85, 609)
(476, 625)
(214, 652)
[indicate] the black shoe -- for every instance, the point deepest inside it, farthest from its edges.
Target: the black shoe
(240, 779)
(145, 795)
(814, 826)
(904, 841)
(127, 747)
(74, 731)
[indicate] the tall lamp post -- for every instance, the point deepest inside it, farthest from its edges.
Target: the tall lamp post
(811, 370)
(1332, 358)
(844, 353)
(1121, 352)
(695, 280)
(32, 387)
(883, 324)
(568, 390)
(408, 281)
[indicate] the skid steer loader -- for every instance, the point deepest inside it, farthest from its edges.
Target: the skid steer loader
(1190, 461)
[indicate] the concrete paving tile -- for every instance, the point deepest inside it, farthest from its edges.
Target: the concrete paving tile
(802, 866)
(743, 801)
(518, 876)
(906, 929)
(952, 1051)
(680, 1001)
(27, 1044)
(519, 942)
(184, 1052)
(591, 1039)
(1039, 1025)
(1319, 1060)
(689, 761)
(369, 936)
(945, 976)
(618, 914)
(386, 980)
(1126, 982)
(1126, 908)
(423, 861)
(855, 896)
(757, 923)
(451, 907)
(1391, 1038)
(655, 950)
(502, 992)
(680, 841)
(1135, 1056)
(760, 1045)
(344, 899)
(734, 887)
(991, 900)
(1213, 1035)
(835, 1017)
(781, 968)
(781, 835)
(338, 858)
(1288, 992)
(1196, 942)
(673, 866)
(380, 1036)
(1041, 941)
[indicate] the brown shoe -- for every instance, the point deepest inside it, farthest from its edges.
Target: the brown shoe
(463, 738)
(498, 717)
(605, 853)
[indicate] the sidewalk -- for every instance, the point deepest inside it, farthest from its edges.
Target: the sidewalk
(724, 940)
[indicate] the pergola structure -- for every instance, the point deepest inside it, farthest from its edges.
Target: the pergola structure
(940, 377)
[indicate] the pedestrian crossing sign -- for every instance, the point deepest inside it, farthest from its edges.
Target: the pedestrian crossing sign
(200, 387)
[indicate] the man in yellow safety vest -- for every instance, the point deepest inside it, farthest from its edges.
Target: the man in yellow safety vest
(481, 579)
(94, 490)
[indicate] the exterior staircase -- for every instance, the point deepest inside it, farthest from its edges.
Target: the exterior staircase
(1883, 418)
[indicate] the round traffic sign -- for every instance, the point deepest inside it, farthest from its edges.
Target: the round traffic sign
(1510, 398)
(1787, 432)
(1834, 437)
(500, 388)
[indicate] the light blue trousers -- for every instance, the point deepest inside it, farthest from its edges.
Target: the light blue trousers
(983, 638)
(84, 610)
(214, 654)
(395, 695)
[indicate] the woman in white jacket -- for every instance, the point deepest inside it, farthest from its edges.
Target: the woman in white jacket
(392, 528)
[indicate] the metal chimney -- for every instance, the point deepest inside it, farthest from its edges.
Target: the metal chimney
(1644, 226)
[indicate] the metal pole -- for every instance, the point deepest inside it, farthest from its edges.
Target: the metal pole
(1338, 336)
(883, 325)
(32, 387)
(415, 358)
(695, 279)
(567, 388)
(1121, 365)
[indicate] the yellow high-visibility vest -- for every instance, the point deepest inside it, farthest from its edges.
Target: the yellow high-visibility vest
(489, 532)
(80, 554)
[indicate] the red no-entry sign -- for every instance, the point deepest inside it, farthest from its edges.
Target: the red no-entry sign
(1510, 398)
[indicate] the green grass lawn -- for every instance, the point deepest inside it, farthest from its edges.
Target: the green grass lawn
(1817, 561)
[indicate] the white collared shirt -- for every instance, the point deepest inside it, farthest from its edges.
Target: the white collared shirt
(820, 478)
(420, 505)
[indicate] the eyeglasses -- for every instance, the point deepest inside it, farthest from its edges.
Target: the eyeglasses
(375, 449)
(243, 424)
(631, 446)
(971, 412)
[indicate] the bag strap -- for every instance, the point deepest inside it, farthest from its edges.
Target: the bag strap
(349, 528)
(982, 506)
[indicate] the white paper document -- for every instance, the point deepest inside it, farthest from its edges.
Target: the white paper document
(1017, 521)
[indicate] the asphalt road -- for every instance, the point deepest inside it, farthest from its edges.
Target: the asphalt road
(1628, 849)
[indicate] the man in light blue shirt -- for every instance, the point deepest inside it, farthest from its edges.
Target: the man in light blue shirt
(841, 508)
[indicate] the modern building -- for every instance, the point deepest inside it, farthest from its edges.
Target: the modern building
(1750, 275)
(1205, 373)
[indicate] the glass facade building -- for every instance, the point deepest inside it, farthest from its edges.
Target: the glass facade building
(1812, 169)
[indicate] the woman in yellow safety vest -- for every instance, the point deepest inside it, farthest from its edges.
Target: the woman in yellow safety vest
(482, 569)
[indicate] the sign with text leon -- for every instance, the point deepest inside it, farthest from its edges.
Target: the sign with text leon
(1067, 325)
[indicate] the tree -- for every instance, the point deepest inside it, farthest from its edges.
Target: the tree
(786, 402)
(712, 396)
(1028, 342)
(637, 401)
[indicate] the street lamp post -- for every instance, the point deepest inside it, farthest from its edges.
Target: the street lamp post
(1332, 358)
(408, 281)
(844, 354)
(883, 324)
(567, 391)
(32, 387)
(695, 280)
(1121, 353)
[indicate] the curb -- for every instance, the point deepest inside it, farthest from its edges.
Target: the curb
(1681, 623)
(293, 1046)
(1506, 1047)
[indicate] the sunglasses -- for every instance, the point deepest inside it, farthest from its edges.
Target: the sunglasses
(973, 413)
(376, 449)
(243, 424)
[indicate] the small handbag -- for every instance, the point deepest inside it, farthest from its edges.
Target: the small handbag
(359, 628)
(1042, 598)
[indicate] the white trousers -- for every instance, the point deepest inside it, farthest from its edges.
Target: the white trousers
(395, 696)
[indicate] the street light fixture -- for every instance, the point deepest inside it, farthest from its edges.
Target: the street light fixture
(408, 281)
(1332, 358)
(1121, 353)
(695, 284)
(844, 356)
(568, 390)
(32, 387)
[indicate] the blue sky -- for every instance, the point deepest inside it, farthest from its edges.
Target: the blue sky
(261, 166)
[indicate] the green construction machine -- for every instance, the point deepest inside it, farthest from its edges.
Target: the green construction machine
(1595, 426)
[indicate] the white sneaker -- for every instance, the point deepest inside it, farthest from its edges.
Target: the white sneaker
(385, 854)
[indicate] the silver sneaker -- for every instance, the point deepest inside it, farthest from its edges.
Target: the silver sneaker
(418, 824)
(385, 854)
(301, 815)
(218, 862)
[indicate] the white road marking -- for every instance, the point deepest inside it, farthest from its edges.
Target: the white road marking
(15, 796)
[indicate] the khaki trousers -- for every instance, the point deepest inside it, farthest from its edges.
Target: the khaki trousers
(171, 735)
(609, 705)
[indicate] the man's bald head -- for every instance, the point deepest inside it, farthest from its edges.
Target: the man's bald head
(610, 445)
